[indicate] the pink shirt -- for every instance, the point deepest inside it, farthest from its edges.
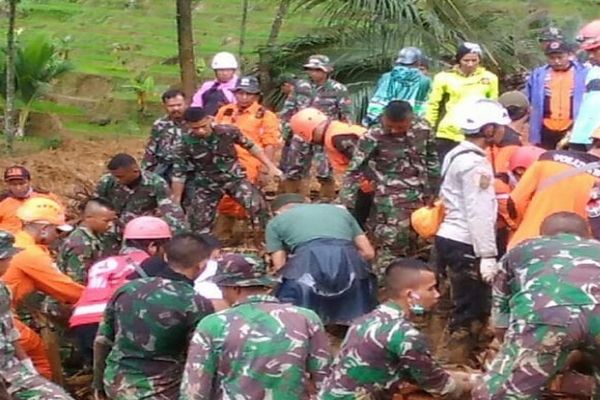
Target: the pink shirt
(226, 87)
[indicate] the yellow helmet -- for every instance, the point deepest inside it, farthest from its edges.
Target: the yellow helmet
(45, 211)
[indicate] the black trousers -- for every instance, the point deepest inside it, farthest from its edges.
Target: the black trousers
(443, 147)
(85, 335)
(471, 297)
(551, 138)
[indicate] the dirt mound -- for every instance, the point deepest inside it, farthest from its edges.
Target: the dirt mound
(76, 164)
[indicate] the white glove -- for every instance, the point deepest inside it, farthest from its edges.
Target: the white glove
(27, 363)
(488, 269)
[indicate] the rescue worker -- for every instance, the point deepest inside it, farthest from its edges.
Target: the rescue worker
(143, 237)
(259, 125)
(328, 96)
(546, 293)
(384, 350)
(257, 349)
(33, 270)
(142, 342)
(588, 118)
(134, 193)
(21, 379)
(339, 139)
(517, 105)
(18, 184)
(209, 152)
(466, 81)
(562, 180)
(400, 155)
(404, 82)
(216, 93)
(85, 245)
(465, 243)
(323, 256)
(287, 86)
(164, 136)
(555, 91)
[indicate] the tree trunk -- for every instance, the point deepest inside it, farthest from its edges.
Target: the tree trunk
(185, 40)
(9, 124)
(264, 69)
(243, 33)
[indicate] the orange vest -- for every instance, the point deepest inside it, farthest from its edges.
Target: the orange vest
(339, 161)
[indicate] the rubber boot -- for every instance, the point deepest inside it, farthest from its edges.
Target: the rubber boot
(224, 229)
(327, 191)
(455, 348)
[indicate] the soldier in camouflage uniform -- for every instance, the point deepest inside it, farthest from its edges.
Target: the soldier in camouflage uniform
(547, 294)
(328, 96)
(142, 342)
(21, 380)
(258, 348)
(134, 193)
(400, 156)
(164, 136)
(287, 85)
(85, 245)
(383, 350)
(209, 151)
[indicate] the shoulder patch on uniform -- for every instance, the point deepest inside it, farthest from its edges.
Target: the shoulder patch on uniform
(483, 180)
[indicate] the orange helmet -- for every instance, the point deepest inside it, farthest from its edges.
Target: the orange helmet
(147, 228)
(589, 36)
(304, 122)
(525, 156)
(45, 211)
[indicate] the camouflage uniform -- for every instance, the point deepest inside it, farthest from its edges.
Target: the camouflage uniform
(20, 382)
(150, 197)
(258, 348)
(547, 293)
(147, 325)
(216, 172)
(381, 352)
(164, 138)
(405, 170)
(79, 251)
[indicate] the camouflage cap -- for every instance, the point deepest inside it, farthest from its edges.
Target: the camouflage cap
(7, 245)
(319, 61)
(242, 270)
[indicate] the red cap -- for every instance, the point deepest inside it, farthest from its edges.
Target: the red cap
(16, 172)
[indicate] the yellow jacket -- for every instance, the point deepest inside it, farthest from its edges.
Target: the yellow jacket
(451, 88)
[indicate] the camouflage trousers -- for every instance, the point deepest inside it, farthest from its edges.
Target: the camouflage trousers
(300, 157)
(533, 353)
(27, 386)
(126, 385)
(202, 210)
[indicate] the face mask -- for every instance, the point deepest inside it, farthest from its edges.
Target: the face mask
(415, 308)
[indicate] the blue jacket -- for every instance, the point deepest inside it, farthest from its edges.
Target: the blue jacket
(535, 92)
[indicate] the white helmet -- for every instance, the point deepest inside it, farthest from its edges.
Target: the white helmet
(476, 114)
(224, 60)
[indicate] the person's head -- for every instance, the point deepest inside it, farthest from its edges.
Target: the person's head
(214, 245)
(187, 254)
(558, 55)
(483, 120)
(124, 168)
(565, 222)
(174, 103)
(224, 64)
(247, 91)
(7, 250)
(318, 68)
(516, 104)
(99, 215)
(397, 117)
(287, 83)
(523, 158)
(44, 219)
(589, 40)
(409, 57)
(239, 275)
(198, 121)
(412, 284)
(18, 181)
(148, 234)
(306, 121)
(468, 57)
(285, 201)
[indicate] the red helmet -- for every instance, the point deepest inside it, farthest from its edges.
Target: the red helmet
(525, 156)
(589, 36)
(147, 228)
(304, 122)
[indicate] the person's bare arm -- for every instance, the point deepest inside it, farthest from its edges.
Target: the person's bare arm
(177, 188)
(364, 247)
(278, 259)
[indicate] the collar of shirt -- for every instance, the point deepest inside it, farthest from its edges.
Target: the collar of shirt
(252, 110)
(392, 309)
(88, 232)
(257, 298)
(466, 145)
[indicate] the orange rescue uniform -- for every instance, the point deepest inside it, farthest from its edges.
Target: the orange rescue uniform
(33, 270)
(259, 125)
(8, 211)
(569, 194)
